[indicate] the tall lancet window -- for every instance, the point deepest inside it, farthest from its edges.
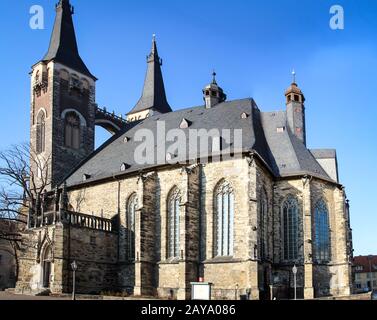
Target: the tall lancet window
(263, 225)
(321, 232)
(224, 220)
(131, 208)
(173, 204)
(290, 228)
(41, 133)
(72, 130)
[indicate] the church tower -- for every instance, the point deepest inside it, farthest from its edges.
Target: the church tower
(62, 105)
(153, 99)
(296, 110)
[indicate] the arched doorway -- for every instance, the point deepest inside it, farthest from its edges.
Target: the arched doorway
(46, 268)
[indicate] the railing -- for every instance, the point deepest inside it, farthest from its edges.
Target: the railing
(87, 221)
(75, 219)
(111, 115)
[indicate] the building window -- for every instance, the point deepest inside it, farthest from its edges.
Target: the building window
(41, 132)
(173, 205)
(321, 232)
(263, 225)
(72, 131)
(131, 208)
(224, 220)
(290, 228)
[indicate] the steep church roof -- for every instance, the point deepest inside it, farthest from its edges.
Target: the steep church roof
(63, 46)
(290, 156)
(153, 96)
(282, 152)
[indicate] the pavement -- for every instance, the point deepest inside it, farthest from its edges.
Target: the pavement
(5, 296)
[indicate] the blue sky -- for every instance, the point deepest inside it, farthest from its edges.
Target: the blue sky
(253, 45)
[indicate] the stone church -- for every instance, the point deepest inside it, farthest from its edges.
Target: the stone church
(239, 214)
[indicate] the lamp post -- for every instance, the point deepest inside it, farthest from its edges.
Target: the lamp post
(294, 270)
(236, 292)
(74, 268)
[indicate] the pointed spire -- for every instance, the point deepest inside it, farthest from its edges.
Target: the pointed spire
(214, 74)
(63, 45)
(153, 96)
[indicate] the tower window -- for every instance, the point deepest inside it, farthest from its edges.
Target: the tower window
(41, 133)
(297, 98)
(72, 131)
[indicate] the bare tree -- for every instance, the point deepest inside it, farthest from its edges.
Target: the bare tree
(24, 177)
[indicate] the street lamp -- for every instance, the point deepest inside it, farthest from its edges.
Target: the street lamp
(294, 270)
(74, 268)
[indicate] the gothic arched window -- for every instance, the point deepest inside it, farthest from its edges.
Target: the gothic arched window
(41, 132)
(131, 208)
(290, 228)
(321, 232)
(173, 204)
(224, 220)
(263, 225)
(72, 130)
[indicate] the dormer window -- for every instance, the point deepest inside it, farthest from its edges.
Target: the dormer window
(216, 144)
(184, 124)
(86, 177)
(169, 157)
(124, 167)
(244, 115)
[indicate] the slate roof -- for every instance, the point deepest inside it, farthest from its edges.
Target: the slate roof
(63, 45)
(282, 152)
(289, 155)
(323, 153)
(153, 96)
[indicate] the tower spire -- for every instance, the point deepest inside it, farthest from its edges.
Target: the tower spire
(293, 76)
(212, 93)
(63, 45)
(153, 97)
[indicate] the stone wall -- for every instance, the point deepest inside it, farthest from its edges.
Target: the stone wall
(94, 251)
(103, 255)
